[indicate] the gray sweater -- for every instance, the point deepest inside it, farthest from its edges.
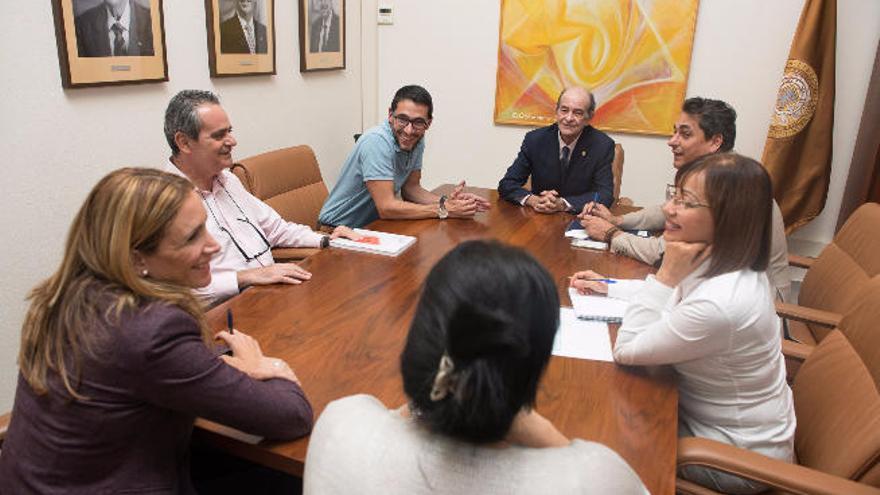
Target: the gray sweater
(359, 446)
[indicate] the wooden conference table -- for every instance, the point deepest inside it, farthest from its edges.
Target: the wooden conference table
(343, 330)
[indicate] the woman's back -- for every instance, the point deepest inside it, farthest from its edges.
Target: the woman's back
(359, 445)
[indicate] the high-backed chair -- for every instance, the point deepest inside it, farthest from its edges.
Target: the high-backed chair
(617, 170)
(837, 404)
(289, 181)
(835, 280)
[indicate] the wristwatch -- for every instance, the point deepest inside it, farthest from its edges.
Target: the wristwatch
(325, 242)
(441, 210)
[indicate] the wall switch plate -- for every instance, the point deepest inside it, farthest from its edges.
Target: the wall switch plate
(386, 13)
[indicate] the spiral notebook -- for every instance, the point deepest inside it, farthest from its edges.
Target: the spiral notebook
(597, 308)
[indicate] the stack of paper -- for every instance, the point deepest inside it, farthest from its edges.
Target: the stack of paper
(579, 237)
(598, 308)
(581, 339)
(376, 242)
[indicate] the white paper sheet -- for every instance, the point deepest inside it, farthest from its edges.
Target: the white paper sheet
(581, 339)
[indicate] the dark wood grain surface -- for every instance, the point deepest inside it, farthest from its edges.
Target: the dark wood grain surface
(343, 331)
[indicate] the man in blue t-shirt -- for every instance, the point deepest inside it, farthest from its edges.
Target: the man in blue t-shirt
(381, 177)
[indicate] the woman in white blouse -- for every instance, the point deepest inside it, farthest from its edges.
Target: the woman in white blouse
(709, 312)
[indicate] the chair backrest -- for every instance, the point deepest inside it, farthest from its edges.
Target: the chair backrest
(837, 278)
(617, 169)
(288, 180)
(836, 397)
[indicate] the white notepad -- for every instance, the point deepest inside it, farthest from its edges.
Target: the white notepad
(581, 339)
(381, 242)
(598, 308)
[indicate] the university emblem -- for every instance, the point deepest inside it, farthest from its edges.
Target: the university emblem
(796, 101)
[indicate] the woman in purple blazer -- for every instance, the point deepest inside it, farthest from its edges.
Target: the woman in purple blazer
(116, 360)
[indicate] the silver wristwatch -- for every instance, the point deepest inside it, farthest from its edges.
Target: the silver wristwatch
(441, 209)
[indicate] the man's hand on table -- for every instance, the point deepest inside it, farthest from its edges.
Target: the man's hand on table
(458, 194)
(345, 233)
(547, 202)
(279, 273)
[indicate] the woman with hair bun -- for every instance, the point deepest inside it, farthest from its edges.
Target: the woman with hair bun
(478, 345)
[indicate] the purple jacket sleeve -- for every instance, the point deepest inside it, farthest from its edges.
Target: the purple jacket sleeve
(179, 372)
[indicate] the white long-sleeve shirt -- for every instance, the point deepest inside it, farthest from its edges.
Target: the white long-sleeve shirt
(226, 203)
(722, 336)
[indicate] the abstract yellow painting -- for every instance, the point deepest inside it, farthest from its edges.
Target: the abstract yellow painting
(633, 54)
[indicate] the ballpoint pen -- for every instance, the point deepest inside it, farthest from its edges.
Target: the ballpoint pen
(595, 200)
(229, 320)
(606, 280)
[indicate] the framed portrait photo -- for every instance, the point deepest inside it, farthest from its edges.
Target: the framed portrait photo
(241, 37)
(321, 35)
(104, 42)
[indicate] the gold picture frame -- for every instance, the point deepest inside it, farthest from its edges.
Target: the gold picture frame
(238, 46)
(321, 35)
(95, 50)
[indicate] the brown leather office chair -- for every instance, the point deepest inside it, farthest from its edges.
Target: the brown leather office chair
(617, 170)
(837, 404)
(289, 180)
(836, 279)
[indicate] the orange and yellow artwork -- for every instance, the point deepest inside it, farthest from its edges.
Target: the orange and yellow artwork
(633, 54)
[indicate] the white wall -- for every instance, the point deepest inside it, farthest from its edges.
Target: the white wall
(57, 143)
(739, 52)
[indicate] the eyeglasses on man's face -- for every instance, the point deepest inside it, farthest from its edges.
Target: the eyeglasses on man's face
(682, 199)
(418, 124)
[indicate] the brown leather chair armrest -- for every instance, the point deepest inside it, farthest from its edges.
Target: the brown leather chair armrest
(801, 261)
(4, 425)
(796, 350)
(775, 473)
(808, 315)
(287, 254)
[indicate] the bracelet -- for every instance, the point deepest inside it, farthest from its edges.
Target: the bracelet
(609, 234)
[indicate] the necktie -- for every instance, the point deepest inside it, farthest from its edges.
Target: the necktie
(565, 158)
(325, 32)
(249, 34)
(118, 40)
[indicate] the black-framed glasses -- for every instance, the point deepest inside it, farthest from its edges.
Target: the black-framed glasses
(244, 219)
(676, 196)
(418, 124)
(241, 249)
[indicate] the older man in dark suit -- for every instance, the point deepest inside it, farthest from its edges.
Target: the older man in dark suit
(115, 28)
(242, 33)
(569, 161)
(324, 30)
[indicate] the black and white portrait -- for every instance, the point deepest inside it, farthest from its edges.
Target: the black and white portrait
(242, 26)
(113, 28)
(324, 33)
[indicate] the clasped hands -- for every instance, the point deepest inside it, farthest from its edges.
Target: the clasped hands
(460, 204)
(547, 202)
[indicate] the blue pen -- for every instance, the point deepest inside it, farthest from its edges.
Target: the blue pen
(229, 320)
(606, 280)
(595, 200)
